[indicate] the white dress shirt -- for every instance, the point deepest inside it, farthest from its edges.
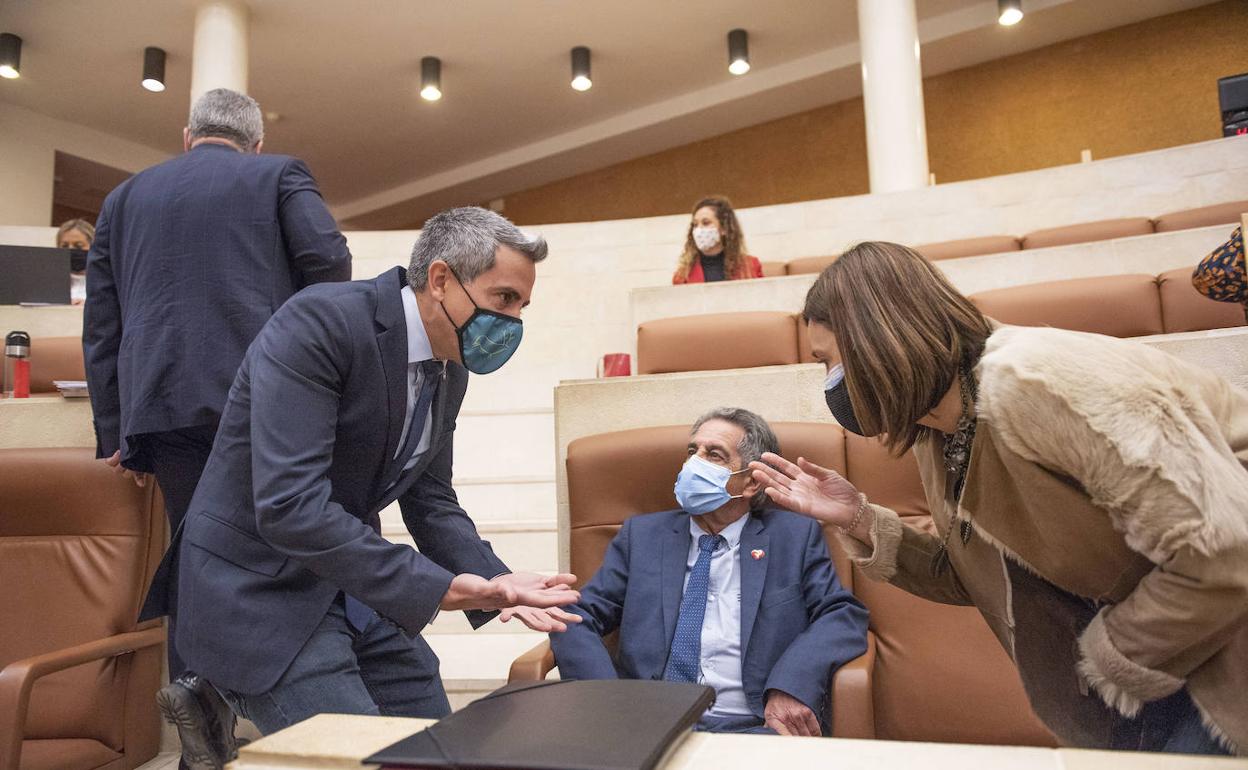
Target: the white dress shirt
(720, 655)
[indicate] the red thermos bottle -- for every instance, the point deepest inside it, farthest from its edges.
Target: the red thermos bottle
(17, 350)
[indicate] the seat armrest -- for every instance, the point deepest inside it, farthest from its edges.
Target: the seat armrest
(17, 679)
(534, 665)
(853, 705)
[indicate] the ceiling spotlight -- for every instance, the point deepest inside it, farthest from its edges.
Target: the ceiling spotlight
(431, 78)
(154, 69)
(10, 55)
(738, 52)
(1011, 12)
(580, 69)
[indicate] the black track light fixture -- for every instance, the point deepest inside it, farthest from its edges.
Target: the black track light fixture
(154, 69)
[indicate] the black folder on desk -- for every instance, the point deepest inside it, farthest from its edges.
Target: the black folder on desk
(580, 725)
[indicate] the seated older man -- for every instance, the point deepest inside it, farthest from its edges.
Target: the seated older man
(724, 592)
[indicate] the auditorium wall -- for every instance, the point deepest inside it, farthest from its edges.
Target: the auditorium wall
(1139, 87)
(28, 145)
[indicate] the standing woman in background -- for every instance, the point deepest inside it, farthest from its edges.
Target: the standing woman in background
(1089, 496)
(715, 246)
(76, 234)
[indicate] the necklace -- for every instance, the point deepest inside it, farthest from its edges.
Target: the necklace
(957, 457)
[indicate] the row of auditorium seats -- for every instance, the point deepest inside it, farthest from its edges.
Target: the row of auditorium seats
(1116, 305)
(1086, 232)
(932, 672)
(78, 546)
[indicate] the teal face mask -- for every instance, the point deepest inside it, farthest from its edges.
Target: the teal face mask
(487, 339)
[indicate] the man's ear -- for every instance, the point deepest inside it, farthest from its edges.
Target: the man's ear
(186, 139)
(259, 146)
(436, 285)
(752, 486)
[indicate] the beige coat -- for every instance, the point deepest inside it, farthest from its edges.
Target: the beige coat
(1108, 488)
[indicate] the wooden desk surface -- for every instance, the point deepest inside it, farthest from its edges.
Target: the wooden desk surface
(341, 741)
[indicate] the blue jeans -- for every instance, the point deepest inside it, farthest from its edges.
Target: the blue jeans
(377, 671)
(1171, 725)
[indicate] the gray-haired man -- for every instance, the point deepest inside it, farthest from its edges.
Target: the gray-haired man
(293, 604)
(190, 259)
(725, 591)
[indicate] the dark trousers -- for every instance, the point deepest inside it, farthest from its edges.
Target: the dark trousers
(178, 458)
(342, 670)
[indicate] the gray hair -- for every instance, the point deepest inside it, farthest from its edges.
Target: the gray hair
(466, 239)
(757, 438)
(227, 114)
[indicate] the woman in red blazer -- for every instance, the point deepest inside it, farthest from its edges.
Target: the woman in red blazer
(715, 246)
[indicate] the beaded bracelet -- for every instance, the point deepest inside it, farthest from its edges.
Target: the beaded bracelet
(862, 509)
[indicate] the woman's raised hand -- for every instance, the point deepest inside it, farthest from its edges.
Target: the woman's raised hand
(806, 488)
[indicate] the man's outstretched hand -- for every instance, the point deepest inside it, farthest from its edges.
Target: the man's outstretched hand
(549, 620)
(527, 589)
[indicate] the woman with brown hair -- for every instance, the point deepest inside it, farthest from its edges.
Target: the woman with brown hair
(1089, 496)
(715, 246)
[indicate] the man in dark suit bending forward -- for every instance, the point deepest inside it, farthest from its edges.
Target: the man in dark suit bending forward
(291, 602)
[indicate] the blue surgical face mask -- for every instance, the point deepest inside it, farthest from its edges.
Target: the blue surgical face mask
(836, 394)
(487, 339)
(702, 486)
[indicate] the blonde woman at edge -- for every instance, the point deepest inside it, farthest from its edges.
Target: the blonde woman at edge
(1090, 497)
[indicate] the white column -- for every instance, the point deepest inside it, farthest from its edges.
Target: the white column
(219, 58)
(892, 95)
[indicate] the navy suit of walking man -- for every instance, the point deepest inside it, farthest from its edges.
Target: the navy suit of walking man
(723, 592)
(292, 603)
(190, 258)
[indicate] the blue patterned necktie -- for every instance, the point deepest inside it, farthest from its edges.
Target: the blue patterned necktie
(684, 660)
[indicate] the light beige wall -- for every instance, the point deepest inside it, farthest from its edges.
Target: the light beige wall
(28, 144)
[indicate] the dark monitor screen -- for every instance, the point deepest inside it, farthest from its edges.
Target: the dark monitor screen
(1233, 93)
(34, 274)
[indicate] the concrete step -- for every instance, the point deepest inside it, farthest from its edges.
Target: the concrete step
(489, 444)
(523, 546)
(499, 500)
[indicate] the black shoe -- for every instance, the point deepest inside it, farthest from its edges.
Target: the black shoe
(205, 722)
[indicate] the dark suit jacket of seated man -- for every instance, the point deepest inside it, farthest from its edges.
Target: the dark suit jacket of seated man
(796, 626)
(324, 427)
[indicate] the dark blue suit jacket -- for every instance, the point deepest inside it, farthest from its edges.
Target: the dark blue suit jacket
(190, 258)
(798, 625)
(286, 514)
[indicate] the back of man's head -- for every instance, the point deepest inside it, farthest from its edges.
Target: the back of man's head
(225, 114)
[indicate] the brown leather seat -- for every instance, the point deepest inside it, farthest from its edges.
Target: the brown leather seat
(772, 269)
(808, 265)
(925, 660)
(55, 358)
(1183, 309)
(716, 341)
(78, 546)
(1117, 305)
(969, 247)
(1087, 232)
(1205, 216)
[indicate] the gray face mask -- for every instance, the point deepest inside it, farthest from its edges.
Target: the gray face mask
(836, 394)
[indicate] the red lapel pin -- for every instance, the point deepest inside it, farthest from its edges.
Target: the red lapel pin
(758, 553)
